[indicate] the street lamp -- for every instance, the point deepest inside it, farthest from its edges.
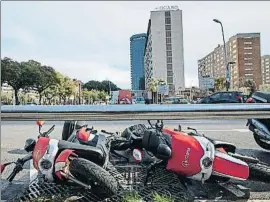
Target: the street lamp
(225, 55)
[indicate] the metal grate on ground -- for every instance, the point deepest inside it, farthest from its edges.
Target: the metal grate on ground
(132, 177)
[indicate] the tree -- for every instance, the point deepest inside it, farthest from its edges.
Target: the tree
(265, 87)
(94, 95)
(42, 77)
(220, 83)
(64, 88)
(86, 95)
(251, 85)
(16, 75)
(102, 95)
(105, 85)
(6, 98)
(152, 87)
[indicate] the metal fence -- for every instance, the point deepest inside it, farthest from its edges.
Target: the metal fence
(135, 112)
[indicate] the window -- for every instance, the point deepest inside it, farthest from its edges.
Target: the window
(169, 67)
(248, 42)
(167, 14)
(247, 58)
(169, 46)
(234, 46)
(248, 63)
(247, 48)
(215, 96)
(248, 69)
(248, 74)
(168, 40)
(168, 34)
(169, 53)
(169, 73)
(167, 27)
(169, 59)
(170, 79)
(167, 21)
(248, 53)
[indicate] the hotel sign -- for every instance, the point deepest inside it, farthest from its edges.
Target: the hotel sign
(166, 8)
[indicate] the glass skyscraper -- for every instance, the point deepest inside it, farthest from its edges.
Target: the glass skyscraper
(137, 45)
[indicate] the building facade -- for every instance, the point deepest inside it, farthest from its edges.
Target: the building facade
(243, 49)
(164, 51)
(137, 46)
(265, 69)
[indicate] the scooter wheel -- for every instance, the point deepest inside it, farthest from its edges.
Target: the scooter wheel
(68, 128)
(100, 180)
(259, 172)
(261, 143)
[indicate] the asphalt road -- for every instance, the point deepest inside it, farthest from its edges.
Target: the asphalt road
(14, 134)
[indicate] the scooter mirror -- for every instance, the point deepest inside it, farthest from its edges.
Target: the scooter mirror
(40, 123)
(29, 145)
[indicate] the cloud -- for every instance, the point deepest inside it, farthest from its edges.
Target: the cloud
(90, 40)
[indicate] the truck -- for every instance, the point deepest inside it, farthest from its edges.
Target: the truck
(125, 97)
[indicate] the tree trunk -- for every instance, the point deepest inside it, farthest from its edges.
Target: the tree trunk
(39, 100)
(17, 102)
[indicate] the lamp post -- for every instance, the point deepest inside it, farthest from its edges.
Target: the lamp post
(225, 55)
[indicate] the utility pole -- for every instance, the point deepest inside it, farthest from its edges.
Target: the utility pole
(227, 65)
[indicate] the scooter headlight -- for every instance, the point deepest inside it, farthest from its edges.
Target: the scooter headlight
(207, 162)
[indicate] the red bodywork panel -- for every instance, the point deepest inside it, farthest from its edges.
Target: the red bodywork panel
(39, 150)
(186, 154)
(226, 165)
(63, 157)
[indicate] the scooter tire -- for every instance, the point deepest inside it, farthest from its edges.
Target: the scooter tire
(100, 180)
(259, 172)
(68, 128)
(261, 143)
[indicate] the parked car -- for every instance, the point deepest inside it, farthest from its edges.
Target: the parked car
(174, 100)
(140, 100)
(223, 97)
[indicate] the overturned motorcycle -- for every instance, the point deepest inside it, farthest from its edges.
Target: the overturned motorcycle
(189, 155)
(194, 156)
(66, 162)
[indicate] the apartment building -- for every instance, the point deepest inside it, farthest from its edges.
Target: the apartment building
(243, 49)
(164, 52)
(265, 69)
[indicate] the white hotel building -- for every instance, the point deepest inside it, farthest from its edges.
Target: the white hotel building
(164, 51)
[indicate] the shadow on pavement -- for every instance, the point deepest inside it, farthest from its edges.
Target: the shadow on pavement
(17, 151)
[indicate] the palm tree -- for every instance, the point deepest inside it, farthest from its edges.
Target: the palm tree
(161, 82)
(152, 87)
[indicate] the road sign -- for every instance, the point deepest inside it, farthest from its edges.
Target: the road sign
(163, 89)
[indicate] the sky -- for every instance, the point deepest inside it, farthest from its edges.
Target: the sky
(89, 40)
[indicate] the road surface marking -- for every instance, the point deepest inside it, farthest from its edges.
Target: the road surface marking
(242, 130)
